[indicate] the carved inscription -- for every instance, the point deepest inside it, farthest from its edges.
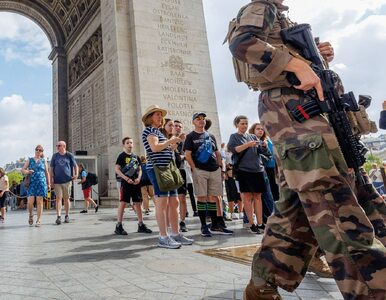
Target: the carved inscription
(177, 87)
(87, 118)
(86, 60)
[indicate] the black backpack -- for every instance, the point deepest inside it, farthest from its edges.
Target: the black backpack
(92, 178)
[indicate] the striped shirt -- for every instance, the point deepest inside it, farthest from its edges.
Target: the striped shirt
(162, 158)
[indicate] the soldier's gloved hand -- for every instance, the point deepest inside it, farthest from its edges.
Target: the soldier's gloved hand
(307, 77)
(326, 50)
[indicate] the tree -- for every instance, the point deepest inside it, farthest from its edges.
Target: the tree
(371, 159)
(14, 176)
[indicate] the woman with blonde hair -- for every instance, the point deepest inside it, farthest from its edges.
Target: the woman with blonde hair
(4, 188)
(36, 167)
(159, 152)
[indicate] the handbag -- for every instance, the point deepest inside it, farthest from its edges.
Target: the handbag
(168, 177)
(27, 180)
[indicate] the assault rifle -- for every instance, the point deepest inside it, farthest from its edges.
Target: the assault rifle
(334, 105)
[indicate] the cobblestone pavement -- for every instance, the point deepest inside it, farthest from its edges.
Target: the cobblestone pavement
(86, 260)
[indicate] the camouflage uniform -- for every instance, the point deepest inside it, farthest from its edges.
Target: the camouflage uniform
(317, 204)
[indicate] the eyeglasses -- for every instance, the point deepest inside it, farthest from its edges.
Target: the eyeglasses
(59, 145)
(39, 150)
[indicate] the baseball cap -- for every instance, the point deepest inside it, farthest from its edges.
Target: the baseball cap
(197, 114)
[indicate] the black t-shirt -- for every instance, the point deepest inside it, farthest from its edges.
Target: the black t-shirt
(129, 164)
(193, 141)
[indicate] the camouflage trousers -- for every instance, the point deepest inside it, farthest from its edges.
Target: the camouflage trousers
(317, 207)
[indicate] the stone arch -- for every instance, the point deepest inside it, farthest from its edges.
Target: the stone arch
(39, 13)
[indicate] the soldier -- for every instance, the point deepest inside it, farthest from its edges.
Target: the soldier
(317, 205)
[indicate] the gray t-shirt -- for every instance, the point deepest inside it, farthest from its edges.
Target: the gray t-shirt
(251, 160)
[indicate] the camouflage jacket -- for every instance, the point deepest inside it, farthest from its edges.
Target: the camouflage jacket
(257, 41)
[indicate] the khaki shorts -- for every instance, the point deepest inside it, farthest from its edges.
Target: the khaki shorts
(62, 190)
(207, 183)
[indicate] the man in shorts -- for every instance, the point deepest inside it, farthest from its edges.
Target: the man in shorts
(207, 179)
(128, 167)
(63, 170)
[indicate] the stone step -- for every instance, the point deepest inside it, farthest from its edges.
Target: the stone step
(109, 202)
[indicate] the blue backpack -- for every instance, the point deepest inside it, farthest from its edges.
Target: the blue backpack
(205, 151)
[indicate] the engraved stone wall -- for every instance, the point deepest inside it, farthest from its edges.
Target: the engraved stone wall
(172, 59)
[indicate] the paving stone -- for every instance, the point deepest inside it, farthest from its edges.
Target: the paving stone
(78, 262)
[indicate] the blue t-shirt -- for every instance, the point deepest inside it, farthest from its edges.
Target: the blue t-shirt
(162, 158)
(62, 166)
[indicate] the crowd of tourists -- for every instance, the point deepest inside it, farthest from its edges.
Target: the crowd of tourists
(244, 167)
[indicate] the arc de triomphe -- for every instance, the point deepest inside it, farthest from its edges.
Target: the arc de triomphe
(113, 58)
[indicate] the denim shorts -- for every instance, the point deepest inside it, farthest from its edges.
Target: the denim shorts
(157, 192)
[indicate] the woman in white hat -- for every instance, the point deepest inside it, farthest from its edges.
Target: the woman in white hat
(159, 152)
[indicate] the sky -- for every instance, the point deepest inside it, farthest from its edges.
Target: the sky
(356, 28)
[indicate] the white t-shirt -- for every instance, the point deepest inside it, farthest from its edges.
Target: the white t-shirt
(375, 175)
(3, 185)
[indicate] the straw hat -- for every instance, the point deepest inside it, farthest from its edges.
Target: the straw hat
(152, 109)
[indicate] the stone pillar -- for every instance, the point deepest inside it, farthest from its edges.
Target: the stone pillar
(119, 91)
(60, 95)
(171, 59)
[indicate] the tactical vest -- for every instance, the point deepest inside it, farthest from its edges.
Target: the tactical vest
(247, 73)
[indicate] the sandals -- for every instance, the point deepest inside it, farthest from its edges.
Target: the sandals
(31, 220)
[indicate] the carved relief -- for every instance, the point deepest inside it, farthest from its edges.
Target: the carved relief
(88, 57)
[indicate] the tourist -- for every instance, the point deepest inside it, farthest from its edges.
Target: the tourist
(202, 154)
(249, 169)
(128, 167)
(180, 162)
(270, 166)
(4, 188)
(233, 195)
(159, 152)
(86, 190)
(36, 167)
(382, 119)
(63, 169)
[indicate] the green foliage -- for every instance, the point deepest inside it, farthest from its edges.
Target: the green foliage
(370, 159)
(14, 176)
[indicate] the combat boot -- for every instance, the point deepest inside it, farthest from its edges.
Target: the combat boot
(263, 292)
(320, 267)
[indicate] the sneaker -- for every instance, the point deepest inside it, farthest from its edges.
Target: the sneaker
(205, 232)
(241, 215)
(168, 242)
(320, 267)
(261, 227)
(119, 230)
(187, 215)
(147, 212)
(254, 229)
(265, 291)
(84, 211)
(183, 227)
(195, 214)
(221, 222)
(142, 228)
(221, 231)
(96, 208)
(66, 219)
(234, 216)
(182, 239)
(58, 220)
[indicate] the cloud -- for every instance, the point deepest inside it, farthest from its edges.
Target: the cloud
(23, 126)
(23, 40)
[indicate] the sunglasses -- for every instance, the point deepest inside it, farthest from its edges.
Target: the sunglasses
(39, 150)
(59, 145)
(200, 118)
